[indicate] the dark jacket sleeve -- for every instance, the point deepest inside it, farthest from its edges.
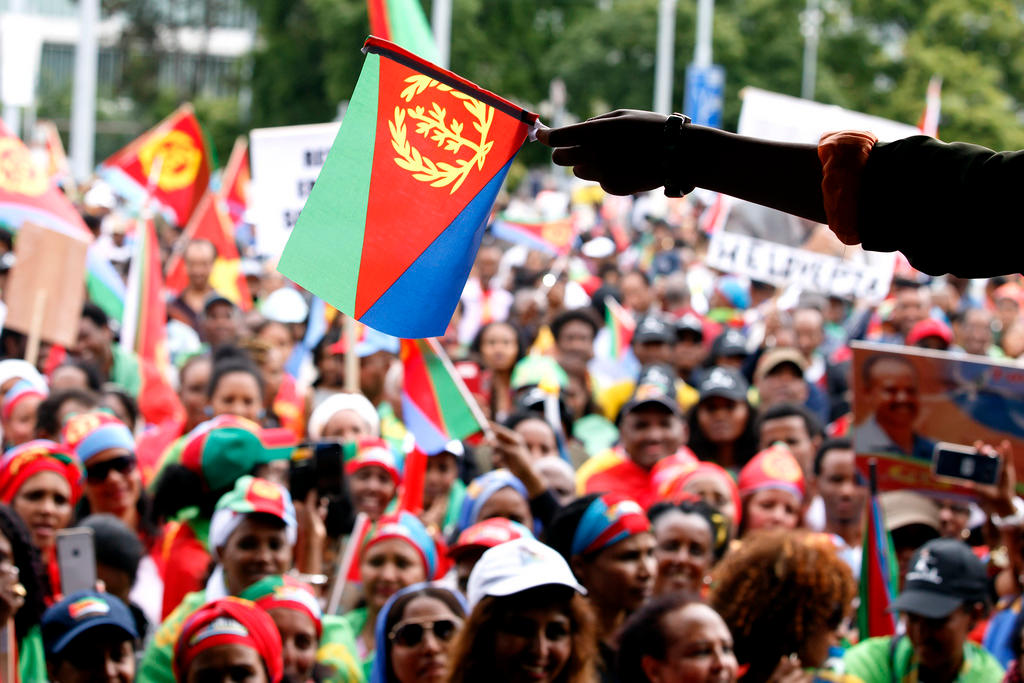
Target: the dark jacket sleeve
(544, 508)
(950, 208)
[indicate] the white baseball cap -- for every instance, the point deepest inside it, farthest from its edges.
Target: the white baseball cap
(517, 566)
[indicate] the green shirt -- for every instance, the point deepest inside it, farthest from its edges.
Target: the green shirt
(31, 657)
(356, 620)
(875, 661)
(125, 370)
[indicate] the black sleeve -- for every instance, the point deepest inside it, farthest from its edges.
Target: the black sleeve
(544, 508)
(950, 208)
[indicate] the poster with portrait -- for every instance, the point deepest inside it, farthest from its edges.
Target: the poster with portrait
(908, 399)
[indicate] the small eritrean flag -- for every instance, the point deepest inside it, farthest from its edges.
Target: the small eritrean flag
(234, 183)
(143, 329)
(403, 23)
(551, 237)
(620, 324)
(436, 404)
(210, 222)
(391, 228)
(177, 144)
(878, 576)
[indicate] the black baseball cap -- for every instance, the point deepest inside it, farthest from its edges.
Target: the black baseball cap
(724, 382)
(654, 386)
(652, 329)
(730, 343)
(943, 575)
(217, 298)
(690, 323)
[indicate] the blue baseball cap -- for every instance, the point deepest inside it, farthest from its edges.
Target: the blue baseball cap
(80, 612)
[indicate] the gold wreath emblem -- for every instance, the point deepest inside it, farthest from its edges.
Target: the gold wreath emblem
(180, 159)
(556, 232)
(447, 133)
(18, 172)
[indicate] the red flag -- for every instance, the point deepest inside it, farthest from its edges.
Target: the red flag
(144, 329)
(412, 482)
(234, 186)
(211, 223)
(178, 143)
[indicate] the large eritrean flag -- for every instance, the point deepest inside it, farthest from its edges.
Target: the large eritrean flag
(143, 329)
(403, 22)
(210, 222)
(391, 228)
(436, 404)
(551, 237)
(878, 576)
(185, 165)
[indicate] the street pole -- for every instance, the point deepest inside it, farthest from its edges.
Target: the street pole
(664, 61)
(441, 18)
(810, 26)
(705, 27)
(83, 96)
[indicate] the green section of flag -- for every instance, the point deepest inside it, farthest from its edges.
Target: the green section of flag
(459, 421)
(328, 237)
(409, 29)
(104, 297)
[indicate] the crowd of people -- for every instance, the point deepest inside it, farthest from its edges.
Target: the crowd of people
(665, 488)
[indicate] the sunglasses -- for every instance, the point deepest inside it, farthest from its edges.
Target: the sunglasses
(411, 634)
(98, 473)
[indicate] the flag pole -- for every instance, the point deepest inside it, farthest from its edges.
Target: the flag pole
(351, 331)
(474, 407)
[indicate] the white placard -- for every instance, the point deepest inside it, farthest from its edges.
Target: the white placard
(285, 163)
(21, 45)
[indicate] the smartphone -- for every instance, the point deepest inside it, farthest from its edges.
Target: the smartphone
(316, 466)
(76, 558)
(963, 463)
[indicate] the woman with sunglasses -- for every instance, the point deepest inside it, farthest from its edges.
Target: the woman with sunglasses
(113, 483)
(415, 629)
(42, 482)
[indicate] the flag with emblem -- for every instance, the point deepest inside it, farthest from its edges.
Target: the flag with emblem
(403, 23)
(551, 237)
(210, 222)
(436, 404)
(390, 231)
(177, 144)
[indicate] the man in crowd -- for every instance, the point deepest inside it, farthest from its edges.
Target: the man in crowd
(95, 345)
(199, 257)
(89, 636)
(843, 493)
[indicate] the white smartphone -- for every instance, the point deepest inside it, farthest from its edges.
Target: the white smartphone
(76, 558)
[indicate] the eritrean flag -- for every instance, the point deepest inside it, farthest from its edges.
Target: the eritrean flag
(620, 324)
(879, 576)
(210, 222)
(143, 329)
(551, 237)
(178, 143)
(391, 228)
(403, 22)
(234, 183)
(436, 404)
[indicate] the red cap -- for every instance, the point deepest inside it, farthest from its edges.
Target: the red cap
(773, 468)
(929, 327)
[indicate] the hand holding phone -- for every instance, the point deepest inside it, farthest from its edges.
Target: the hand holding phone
(964, 463)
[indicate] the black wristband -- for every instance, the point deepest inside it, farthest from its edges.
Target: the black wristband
(672, 143)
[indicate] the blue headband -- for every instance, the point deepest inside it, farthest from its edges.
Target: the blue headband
(606, 521)
(110, 435)
(480, 491)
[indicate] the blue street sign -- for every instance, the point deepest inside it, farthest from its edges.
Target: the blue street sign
(705, 92)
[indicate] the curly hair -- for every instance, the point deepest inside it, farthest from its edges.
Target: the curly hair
(31, 573)
(472, 657)
(776, 592)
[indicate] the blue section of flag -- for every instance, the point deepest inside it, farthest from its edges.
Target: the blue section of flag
(427, 436)
(510, 232)
(442, 268)
(316, 326)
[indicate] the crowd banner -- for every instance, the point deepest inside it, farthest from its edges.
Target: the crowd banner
(284, 163)
(765, 244)
(908, 399)
(44, 291)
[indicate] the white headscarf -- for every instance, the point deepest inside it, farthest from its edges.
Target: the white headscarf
(335, 403)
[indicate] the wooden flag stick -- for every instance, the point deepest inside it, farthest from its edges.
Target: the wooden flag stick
(351, 331)
(35, 329)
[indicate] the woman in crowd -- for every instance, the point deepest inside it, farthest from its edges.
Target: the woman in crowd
(711, 484)
(722, 423)
(607, 541)
(344, 417)
(414, 631)
(120, 404)
(443, 490)
(213, 457)
(676, 638)
(498, 493)
(251, 536)
(529, 621)
(23, 591)
(794, 609)
(236, 386)
(497, 348)
(373, 474)
(288, 403)
(397, 553)
(228, 639)
(316, 648)
(59, 407)
(113, 483)
(690, 537)
(40, 480)
(18, 412)
(772, 490)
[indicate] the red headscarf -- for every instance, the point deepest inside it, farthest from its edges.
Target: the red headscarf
(229, 621)
(33, 457)
(675, 490)
(773, 468)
